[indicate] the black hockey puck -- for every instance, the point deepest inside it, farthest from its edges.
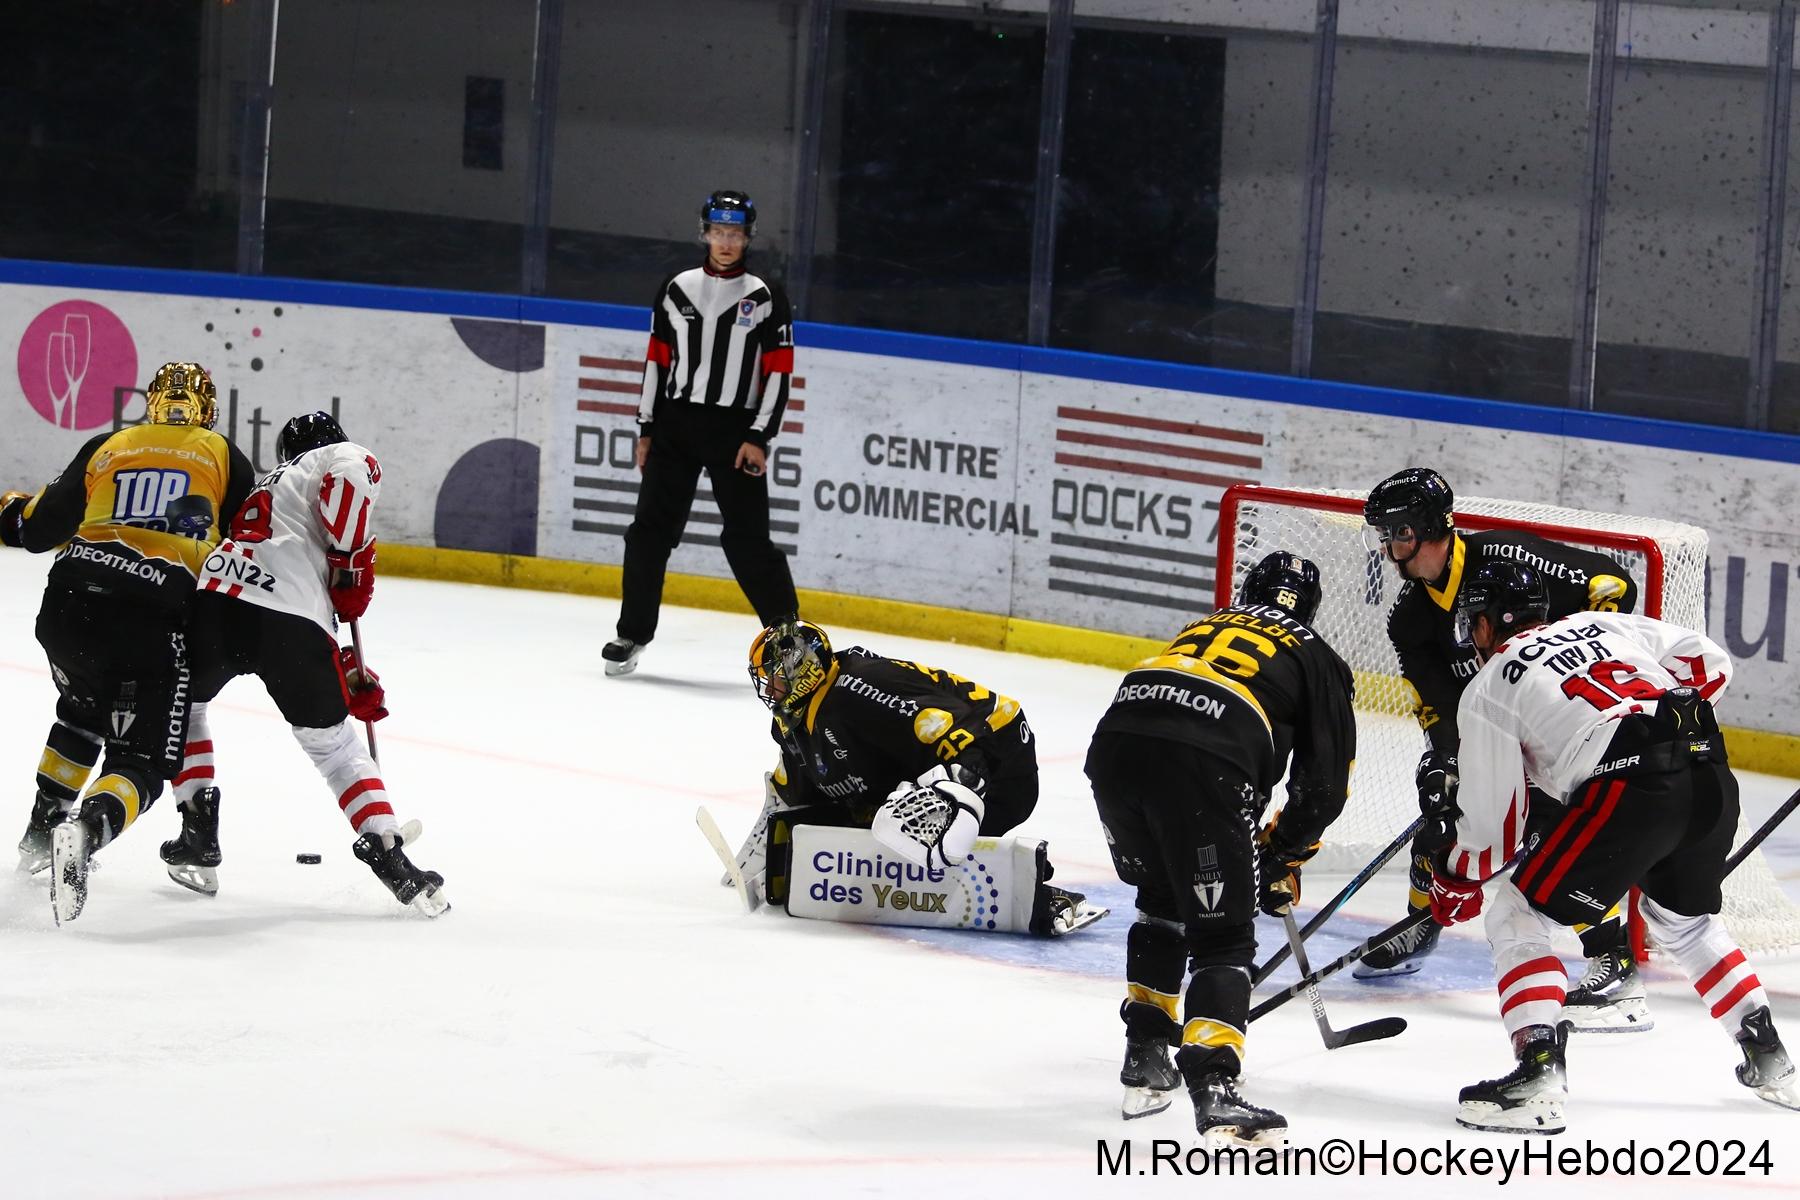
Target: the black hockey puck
(309, 859)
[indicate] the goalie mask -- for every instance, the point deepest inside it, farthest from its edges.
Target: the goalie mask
(1285, 581)
(789, 663)
(1511, 595)
(182, 393)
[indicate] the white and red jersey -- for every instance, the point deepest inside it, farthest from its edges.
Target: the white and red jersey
(1545, 708)
(322, 501)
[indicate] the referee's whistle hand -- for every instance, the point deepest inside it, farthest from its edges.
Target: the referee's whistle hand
(750, 458)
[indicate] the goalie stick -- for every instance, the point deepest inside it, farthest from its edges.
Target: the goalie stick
(1368, 1031)
(1404, 925)
(709, 828)
(1350, 889)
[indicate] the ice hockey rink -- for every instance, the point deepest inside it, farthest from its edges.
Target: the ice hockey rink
(597, 1017)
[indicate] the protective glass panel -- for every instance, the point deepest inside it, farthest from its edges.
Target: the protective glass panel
(399, 142)
(659, 105)
(1784, 398)
(928, 169)
(117, 133)
(1179, 210)
(1678, 294)
(1454, 198)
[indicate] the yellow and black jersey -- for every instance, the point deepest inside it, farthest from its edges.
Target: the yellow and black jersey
(1422, 625)
(879, 721)
(137, 511)
(1251, 685)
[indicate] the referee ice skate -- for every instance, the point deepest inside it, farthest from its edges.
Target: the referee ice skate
(715, 386)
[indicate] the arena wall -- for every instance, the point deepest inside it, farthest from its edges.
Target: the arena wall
(1044, 501)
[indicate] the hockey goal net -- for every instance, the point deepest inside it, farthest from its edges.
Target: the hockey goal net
(1667, 560)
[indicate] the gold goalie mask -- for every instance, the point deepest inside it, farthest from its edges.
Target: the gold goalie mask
(182, 393)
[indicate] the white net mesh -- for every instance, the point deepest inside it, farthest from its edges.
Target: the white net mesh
(1667, 560)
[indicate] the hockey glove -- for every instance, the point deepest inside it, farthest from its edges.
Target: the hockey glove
(1278, 868)
(1437, 781)
(363, 692)
(12, 517)
(932, 823)
(351, 578)
(1454, 900)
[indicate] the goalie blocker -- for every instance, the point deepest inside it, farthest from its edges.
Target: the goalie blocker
(832, 872)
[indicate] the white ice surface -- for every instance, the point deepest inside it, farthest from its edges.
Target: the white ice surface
(597, 1018)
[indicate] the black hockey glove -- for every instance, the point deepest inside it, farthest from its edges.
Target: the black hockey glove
(1437, 780)
(1278, 870)
(12, 517)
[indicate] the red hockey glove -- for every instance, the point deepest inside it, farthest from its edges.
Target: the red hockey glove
(362, 687)
(1454, 900)
(351, 578)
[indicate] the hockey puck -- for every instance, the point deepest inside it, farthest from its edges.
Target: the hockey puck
(309, 859)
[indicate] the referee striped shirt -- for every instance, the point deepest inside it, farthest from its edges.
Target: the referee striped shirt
(721, 340)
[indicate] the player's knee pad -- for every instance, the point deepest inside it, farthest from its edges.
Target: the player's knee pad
(1512, 922)
(1670, 930)
(332, 749)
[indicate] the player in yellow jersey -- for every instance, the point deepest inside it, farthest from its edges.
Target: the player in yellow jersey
(130, 518)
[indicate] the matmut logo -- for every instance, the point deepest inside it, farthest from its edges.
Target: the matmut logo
(75, 359)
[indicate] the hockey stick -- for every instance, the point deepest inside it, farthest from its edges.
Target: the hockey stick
(1399, 928)
(709, 828)
(1368, 1031)
(1768, 827)
(1350, 889)
(368, 726)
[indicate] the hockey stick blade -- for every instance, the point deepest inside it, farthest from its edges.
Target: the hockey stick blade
(709, 828)
(1369, 1031)
(1403, 925)
(1336, 902)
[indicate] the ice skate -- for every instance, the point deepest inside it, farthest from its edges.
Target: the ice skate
(1223, 1118)
(1150, 1078)
(71, 844)
(423, 890)
(34, 847)
(1610, 997)
(1402, 956)
(193, 856)
(1530, 1098)
(621, 655)
(1766, 1070)
(1058, 912)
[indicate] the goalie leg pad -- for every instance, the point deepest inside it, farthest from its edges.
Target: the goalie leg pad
(838, 874)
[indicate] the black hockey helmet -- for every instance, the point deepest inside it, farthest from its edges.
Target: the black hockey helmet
(789, 662)
(307, 432)
(1285, 581)
(728, 206)
(1512, 595)
(1416, 500)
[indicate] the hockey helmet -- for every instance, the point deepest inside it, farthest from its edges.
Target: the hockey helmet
(1511, 595)
(1414, 503)
(307, 432)
(1285, 581)
(728, 206)
(182, 393)
(789, 662)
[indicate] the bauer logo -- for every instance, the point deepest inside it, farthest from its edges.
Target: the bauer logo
(76, 361)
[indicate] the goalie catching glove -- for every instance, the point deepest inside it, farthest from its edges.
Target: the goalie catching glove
(363, 693)
(1278, 868)
(350, 578)
(933, 822)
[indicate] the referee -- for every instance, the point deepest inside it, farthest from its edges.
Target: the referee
(715, 386)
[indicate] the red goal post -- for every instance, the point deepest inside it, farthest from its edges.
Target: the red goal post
(1666, 559)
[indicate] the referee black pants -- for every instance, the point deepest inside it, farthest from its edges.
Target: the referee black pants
(686, 443)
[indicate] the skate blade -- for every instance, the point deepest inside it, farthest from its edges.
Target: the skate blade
(1145, 1102)
(68, 882)
(432, 902)
(204, 880)
(33, 862)
(1079, 918)
(616, 669)
(1537, 1116)
(1408, 966)
(1784, 1095)
(1226, 1137)
(1627, 1016)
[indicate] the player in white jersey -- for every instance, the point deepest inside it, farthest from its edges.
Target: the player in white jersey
(301, 556)
(1611, 714)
